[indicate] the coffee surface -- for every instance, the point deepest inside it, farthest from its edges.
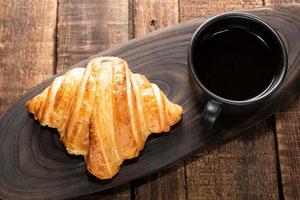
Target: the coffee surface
(234, 64)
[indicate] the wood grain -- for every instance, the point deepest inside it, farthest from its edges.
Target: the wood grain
(288, 136)
(167, 184)
(243, 168)
(35, 165)
(27, 46)
(218, 174)
(85, 28)
(191, 9)
(280, 2)
(149, 16)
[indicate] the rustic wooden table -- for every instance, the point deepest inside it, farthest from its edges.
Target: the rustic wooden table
(39, 38)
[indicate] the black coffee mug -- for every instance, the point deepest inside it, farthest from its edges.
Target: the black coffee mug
(238, 61)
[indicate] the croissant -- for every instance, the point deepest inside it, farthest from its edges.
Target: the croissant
(104, 112)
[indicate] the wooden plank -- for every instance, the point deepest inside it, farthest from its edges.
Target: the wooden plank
(85, 28)
(191, 9)
(27, 32)
(280, 2)
(288, 138)
(244, 168)
(166, 184)
(249, 161)
(88, 27)
(151, 15)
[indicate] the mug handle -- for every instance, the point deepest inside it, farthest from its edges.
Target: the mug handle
(211, 112)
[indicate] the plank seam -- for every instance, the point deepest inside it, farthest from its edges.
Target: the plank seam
(278, 167)
(131, 20)
(132, 191)
(55, 54)
(179, 14)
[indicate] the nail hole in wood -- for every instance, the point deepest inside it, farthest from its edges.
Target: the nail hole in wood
(153, 22)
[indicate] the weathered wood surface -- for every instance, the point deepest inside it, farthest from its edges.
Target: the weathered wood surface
(279, 2)
(153, 15)
(86, 27)
(241, 169)
(288, 137)
(148, 56)
(27, 46)
(191, 9)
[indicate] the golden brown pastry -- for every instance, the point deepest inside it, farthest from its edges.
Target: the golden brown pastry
(104, 112)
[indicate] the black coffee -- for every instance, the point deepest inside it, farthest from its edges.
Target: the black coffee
(234, 64)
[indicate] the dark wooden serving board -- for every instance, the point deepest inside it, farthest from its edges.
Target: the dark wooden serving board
(34, 164)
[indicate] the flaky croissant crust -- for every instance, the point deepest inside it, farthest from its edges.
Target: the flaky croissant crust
(104, 112)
